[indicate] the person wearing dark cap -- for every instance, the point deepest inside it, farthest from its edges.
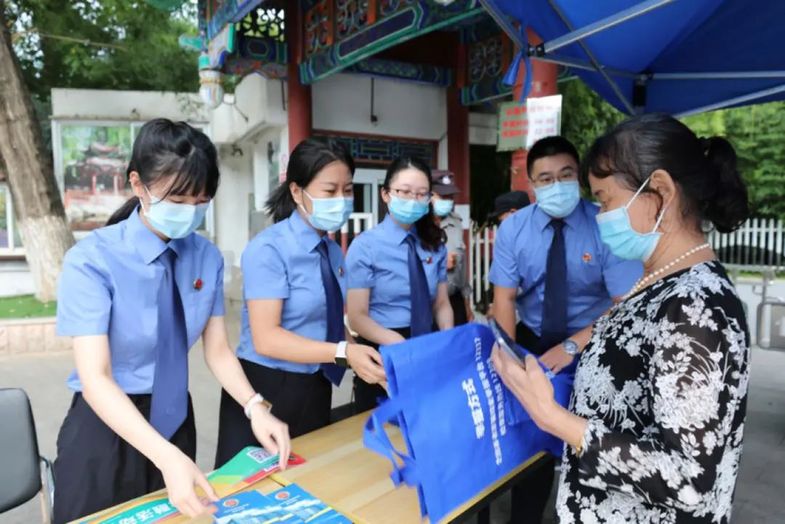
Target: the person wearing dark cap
(458, 287)
(505, 205)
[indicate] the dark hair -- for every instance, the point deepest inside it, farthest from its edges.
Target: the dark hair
(164, 148)
(550, 146)
(704, 169)
(431, 235)
(307, 160)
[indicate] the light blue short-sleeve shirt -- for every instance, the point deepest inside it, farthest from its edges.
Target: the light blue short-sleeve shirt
(109, 286)
(594, 274)
(282, 262)
(378, 260)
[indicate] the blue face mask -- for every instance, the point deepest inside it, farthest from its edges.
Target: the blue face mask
(442, 208)
(617, 232)
(174, 220)
(559, 199)
(329, 214)
(407, 211)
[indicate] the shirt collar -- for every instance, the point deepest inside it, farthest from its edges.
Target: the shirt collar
(394, 231)
(303, 232)
(573, 220)
(147, 243)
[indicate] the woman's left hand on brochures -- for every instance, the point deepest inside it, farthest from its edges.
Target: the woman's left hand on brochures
(271, 433)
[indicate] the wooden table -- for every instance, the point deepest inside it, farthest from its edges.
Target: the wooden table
(264, 486)
(356, 482)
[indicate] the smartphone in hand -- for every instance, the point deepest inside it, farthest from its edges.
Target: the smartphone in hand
(506, 343)
(514, 350)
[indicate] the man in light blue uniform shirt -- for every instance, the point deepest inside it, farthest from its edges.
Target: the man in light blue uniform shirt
(550, 264)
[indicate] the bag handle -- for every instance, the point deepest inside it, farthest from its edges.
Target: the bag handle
(376, 439)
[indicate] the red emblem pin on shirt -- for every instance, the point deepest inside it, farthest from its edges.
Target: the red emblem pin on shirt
(198, 284)
(586, 258)
(429, 260)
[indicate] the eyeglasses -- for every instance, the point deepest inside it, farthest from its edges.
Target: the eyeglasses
(547, 180)
(408, 194)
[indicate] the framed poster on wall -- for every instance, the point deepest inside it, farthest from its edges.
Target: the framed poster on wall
(91, 160)
(92, 167)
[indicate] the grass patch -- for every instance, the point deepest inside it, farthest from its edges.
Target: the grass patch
(26, 306)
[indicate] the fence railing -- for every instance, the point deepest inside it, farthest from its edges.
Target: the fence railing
(480, 255)
(759, 242)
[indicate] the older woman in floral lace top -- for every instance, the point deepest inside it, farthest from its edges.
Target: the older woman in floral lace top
(655, 427)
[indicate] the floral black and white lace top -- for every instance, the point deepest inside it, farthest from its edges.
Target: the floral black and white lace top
(663, 384)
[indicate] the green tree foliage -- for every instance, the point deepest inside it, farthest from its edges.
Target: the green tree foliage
(757, 132)
(111, 44)
(585, 115)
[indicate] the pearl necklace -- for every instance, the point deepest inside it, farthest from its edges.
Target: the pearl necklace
(643, 282)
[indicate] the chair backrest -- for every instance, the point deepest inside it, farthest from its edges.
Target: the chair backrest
(20, 473)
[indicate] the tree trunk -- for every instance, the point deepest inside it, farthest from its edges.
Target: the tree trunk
(37, 204)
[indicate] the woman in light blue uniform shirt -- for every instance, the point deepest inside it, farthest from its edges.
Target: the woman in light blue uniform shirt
(294, 281)
(136, 295)
(398, 270)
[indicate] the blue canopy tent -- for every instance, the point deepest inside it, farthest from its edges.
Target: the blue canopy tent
(677, 56)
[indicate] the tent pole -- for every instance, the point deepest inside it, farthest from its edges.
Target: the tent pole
(724, 75)
(597, 66)
(606, 23)
(733, 101)
(582, 64)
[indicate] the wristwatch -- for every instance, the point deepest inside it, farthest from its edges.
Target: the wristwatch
(570, 347)
(256, 399)
(340, 354)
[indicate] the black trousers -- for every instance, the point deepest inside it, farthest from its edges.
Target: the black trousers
(367, 396)
(96, 469)
(530, 496)
(301, 400)
(458, 309)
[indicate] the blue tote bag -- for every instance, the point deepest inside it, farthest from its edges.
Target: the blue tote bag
(463, 429)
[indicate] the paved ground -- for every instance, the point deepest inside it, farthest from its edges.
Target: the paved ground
(760, 493)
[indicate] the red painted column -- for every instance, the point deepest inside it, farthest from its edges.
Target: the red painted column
(299, 96)
(544, 76)
(458, 129)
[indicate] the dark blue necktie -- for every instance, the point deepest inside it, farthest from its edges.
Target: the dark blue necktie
(335, 328)
(554, 308)
(421, 312)
(169, 405)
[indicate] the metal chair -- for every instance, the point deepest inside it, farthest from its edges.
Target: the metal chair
(24, 472)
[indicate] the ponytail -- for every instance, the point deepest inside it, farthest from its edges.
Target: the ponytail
(431, 235)
(704, 169)
(280, 205)
(124, 211)
(728, 207)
